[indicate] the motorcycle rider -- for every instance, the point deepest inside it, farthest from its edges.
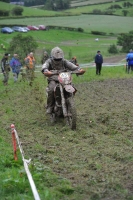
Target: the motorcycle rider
(56, 62)
(45, 57)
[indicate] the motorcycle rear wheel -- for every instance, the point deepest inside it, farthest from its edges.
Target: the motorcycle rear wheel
(72, 114)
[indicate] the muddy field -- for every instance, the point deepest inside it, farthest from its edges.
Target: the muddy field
(97, 158)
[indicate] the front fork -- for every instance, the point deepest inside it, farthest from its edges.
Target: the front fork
(64, 107)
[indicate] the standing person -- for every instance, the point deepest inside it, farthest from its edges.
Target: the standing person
(74, 61)
(5, 68)
(98, 61)
(30, 67)
(56, 62)
(45, 57)
(15, 65)
(129, 59)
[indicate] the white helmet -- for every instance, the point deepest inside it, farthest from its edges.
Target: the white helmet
(57, 54)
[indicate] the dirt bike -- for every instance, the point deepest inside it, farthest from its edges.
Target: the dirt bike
(64, 99)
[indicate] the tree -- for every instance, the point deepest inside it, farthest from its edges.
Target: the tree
(22, 45)
(50, 5)
(125, 12)
(126, 41)
(34, 2)
(17, 10)
(127, 4)
(7, 1)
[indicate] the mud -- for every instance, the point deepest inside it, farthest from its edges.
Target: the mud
(97, 158)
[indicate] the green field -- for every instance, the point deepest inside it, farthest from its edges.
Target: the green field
(29, 11)
(83, 45)
(87, 22)
(81, 8)
(89, 2)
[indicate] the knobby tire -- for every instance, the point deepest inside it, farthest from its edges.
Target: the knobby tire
(73, 118)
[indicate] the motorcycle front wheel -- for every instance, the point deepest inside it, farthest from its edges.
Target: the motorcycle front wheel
(72, 114)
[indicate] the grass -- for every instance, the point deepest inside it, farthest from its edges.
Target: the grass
(13, 180)
(83, 45)
(107, 73)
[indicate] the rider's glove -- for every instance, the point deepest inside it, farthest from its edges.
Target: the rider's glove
(48, 73)
(81, 71)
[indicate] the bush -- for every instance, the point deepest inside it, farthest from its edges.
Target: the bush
(115, 6)
(17, 10)
(97, 11)
(113, 49)
(98, 33)
(4, 13)
(108, 12)
(80, 29)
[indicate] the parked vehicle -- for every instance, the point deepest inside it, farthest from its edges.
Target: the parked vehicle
(7, 30)
(22, 29)
(42, 27)
(64, 103)
(26, 28)
(33, 28)
(19, 29)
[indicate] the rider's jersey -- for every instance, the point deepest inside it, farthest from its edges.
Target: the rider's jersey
(64, 64)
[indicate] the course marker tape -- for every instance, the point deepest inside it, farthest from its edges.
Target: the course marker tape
(26, 162)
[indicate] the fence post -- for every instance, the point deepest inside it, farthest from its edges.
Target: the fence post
(14, 142)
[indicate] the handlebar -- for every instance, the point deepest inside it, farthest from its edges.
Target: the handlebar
(57, 72)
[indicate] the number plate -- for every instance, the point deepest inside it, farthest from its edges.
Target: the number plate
(64, 75)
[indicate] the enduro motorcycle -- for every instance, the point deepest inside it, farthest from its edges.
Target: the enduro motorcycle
(64, 99)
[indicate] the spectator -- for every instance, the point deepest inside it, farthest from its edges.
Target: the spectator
(30, 68)
(129, 59)
(23, 70)
(98, 61)
(45, 57)
(74, 61)
(5, 68)
(15, 65)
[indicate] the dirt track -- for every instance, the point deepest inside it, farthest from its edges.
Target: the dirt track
(97, 158)
(114, 59)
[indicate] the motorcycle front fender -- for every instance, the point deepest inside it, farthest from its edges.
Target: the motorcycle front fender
(69, 88)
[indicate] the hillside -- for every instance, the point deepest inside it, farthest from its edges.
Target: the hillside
(29, 11)
(78, 3)
(98, 6)
(77, 8)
